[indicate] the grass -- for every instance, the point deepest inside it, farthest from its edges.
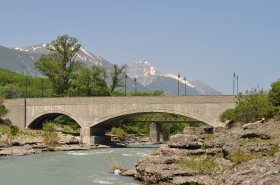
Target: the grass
(50, 139)
(239, 157)
(4, 129)
(206, 166)
(255, 140)
(274, 148)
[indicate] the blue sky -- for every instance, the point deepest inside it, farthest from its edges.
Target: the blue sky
(202, 40)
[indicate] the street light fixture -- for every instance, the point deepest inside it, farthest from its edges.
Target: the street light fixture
(179, 84)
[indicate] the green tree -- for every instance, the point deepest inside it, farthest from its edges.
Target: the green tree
(11, 91)
(117, 77)
(90, 82)
(274, 93)
(60, 65)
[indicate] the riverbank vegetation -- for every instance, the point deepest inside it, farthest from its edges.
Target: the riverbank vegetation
(255, 105)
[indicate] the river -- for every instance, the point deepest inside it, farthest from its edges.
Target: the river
(71, 168)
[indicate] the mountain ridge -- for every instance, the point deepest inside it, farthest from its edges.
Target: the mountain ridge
(148, 77)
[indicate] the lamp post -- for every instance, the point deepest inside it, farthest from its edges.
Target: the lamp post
(42, 85)
(233, 83)
(179, 84)
(135, 86)
(185, 86)
(25, 86)
(237, 84)
(125, 78)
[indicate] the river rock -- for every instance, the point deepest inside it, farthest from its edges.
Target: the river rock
(67, 139)
(255, 171)
(197, 180)
(129, 172)
(161, 170)
(251, 125)
(170, 152)
(185, 141)
(252, 134)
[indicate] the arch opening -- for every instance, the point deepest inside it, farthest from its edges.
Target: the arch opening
(57, 121)
(140, 123)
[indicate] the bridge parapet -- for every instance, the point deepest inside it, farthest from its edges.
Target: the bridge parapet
(94, 112)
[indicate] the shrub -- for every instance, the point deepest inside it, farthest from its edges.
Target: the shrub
(3, 110)
(274, 93)
(118, 132)
(14, 130)
(228, 115)
(251, 107)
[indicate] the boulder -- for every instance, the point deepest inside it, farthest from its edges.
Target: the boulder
(186, 141)
(129, 172)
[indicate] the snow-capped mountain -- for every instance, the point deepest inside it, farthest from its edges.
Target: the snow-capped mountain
(151, 78)
(143, 71)
(86, 57)
(148, 77)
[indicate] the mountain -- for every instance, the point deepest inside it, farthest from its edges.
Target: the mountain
(22, 60)
(151, 78)
(148, 77)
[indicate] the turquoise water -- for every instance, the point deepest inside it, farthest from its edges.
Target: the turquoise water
(71, 168)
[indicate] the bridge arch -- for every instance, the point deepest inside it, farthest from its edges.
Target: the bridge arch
(37, 120)
(108, 119)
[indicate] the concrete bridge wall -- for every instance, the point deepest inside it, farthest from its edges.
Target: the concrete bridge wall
(92, 113)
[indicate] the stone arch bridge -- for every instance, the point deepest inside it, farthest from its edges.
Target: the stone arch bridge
(94, 113)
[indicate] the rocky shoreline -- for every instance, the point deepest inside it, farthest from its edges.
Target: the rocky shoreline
(246, 154)
(28, 144)
(25, 145)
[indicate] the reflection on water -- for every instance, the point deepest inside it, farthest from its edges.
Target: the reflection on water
(71, 168)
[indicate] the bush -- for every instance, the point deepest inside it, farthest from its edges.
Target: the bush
(3, 110)
(14, 130)
(228, 115)
(274, 93)
(118, 132)
(251, 107)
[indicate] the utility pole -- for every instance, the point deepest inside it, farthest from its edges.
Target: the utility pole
(179, 84)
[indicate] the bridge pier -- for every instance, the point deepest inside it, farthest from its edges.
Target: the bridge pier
(155, 133)
(92, 136)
